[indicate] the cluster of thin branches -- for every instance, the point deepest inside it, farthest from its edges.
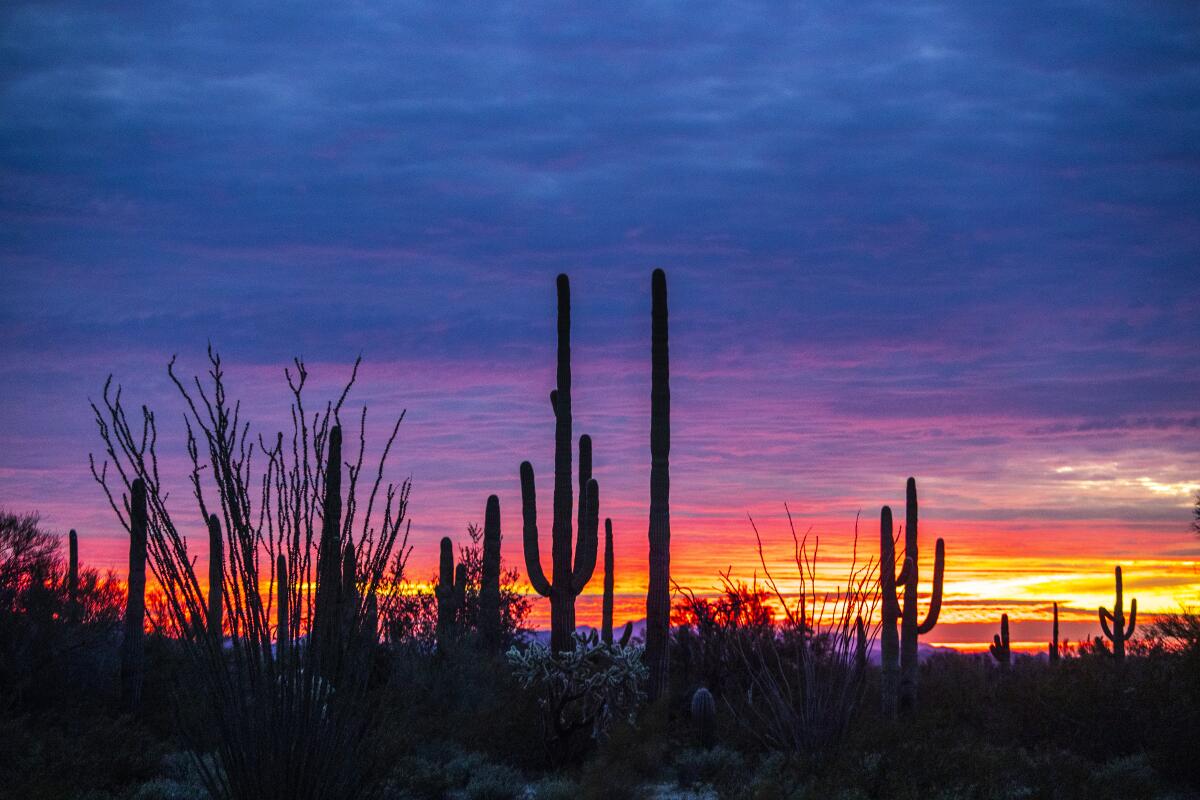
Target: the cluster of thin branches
(804, 683)
(286, 718)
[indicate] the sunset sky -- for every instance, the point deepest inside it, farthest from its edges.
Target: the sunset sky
(954, 241)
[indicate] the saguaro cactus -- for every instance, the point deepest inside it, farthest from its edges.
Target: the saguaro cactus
(329, 554)
(349, 594)
(606, 608)
(1054, 655)
(133, 647)
(216, 572)
(999, 648)
(489, 578)
(568, 579)
(450, 592)
(889, 637)
(704, 717)
(1119, 633)
(73, 577)
(658, 595)
(283, 630)
(910, 629)
(860, 646)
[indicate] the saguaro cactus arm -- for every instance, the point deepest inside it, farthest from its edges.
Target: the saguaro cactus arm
(1132, 618)
(585, 551)
(533, 560)
(935, 598)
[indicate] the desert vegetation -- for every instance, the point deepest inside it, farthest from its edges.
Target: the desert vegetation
(303, 660)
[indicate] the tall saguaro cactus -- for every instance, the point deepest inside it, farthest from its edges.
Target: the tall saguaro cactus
(216, 572)
(283, 629)
(1054, 654)
(133, 646)
(1119, 633)
(489, 576)
(606, 608)
(568, 579)
(658, 596)
(73, 576)
(329, 555)
(1000, 647)
(450, 591)
(910, 628)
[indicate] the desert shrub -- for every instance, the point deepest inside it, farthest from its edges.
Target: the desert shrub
(710, 632)
(52, 653)
(583, 689)
(718, 767)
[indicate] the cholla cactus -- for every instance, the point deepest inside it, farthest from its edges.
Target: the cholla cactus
(584, 687)
(704, 717)
(1119, 633)
(999, 648)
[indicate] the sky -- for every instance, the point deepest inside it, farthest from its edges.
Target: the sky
(954, 241)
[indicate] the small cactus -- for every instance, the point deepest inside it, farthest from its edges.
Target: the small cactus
(133, 646)
(216, 570)
(450, 592)
(489, 578)
(606, 608)
(73, 577)
(1119, 633)
(999, 648)
(1054, 654)
(704, 717)
(626, 634)
(860, 646)
(283, 631)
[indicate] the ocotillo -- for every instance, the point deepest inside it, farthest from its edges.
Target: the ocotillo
(489, 577)
(658, 595)
(1119, 633)
(133, 653)
(999, 648)
(216, 571)
(910, 628)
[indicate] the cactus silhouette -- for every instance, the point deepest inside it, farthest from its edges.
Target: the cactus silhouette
(626, 634)
(658, 595)
(567, 579)
(1054, 654)
(860, 646)
(999, 648)
(450, 592)
(73, 576)
(216, 570)
(326, 620)
(1119, 633)
(133, 646)
(606, 608)
(283, 630)
(704, 717)
(910, 629)
(889, 637)
(349, 594)
(489, 578)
